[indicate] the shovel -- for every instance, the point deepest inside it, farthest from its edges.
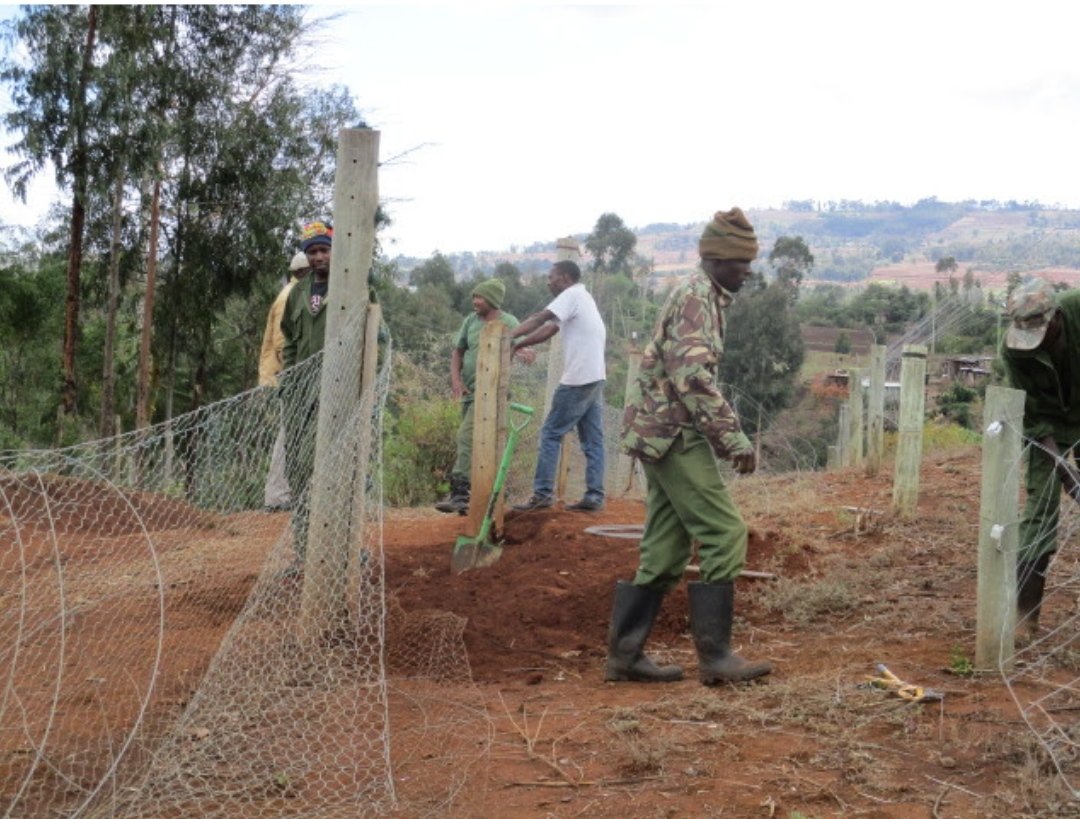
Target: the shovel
(479, 551)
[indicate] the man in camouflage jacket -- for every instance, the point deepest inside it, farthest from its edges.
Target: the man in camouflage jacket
(1041, 354)
(677, 423)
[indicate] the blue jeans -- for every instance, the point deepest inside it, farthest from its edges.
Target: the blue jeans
(580, 406)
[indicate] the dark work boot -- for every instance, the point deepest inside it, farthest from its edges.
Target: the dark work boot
(712, 608)
(458, 500)
(632, 616)
(1030, 582)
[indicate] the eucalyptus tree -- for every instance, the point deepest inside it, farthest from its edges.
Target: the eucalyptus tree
(53, 110)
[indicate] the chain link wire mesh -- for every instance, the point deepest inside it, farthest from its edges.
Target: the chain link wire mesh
(157, 654)
(166, 641)
(1044, 680)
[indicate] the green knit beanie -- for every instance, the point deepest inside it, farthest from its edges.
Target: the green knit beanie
(493, 291)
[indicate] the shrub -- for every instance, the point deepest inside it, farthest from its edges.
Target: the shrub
(419, 448)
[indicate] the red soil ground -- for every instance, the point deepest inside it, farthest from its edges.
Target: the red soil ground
(541, 733)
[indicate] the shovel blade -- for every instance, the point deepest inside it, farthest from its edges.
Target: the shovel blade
(471, 554)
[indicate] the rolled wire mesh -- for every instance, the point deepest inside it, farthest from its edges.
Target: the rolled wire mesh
(158, 655)
(1044, 679)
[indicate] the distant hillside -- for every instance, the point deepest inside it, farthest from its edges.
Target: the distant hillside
(854, 242)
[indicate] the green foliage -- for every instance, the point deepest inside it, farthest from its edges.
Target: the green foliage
(843, 344)
(956, 405)
(959, 663)
(611, 244)
(763, 349)
(792, 261)
(419, 451)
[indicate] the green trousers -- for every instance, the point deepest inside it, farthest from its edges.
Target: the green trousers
(463, 463)
(687, 500)
(1039, 522)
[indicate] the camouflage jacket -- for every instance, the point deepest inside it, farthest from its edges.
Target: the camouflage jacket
(677, 387)
(1052, 403)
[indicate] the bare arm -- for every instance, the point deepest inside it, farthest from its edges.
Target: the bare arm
(537, 328)
(457, 386)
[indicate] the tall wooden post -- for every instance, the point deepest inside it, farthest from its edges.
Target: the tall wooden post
(875, 427)
(624, 464)
(995, 606)
(909, 443)
(855, 415)
(566, 249)
(333, 500)
(489, 421)
(843, 437)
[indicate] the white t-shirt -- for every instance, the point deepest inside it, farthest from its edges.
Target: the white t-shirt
(583, 336)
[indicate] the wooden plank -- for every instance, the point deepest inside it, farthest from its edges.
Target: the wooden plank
(875, 422)
(995, 606)
(489, 420)
(624, 464)
(330, 529)
(856, 428)
(909, 442)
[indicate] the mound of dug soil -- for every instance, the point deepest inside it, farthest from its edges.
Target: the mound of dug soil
(547, 601)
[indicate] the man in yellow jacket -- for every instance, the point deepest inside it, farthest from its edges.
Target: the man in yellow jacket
(276, 495)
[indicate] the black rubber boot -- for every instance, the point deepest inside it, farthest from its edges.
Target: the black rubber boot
(632, 616)
(712, 608)
(458, 499)
(1030, 583)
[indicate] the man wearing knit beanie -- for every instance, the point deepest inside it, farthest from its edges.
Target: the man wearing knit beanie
(303, 325)
(677, 422)
(276, 494)
(487, 301)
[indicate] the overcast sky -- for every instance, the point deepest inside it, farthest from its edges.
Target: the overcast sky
(528, 122)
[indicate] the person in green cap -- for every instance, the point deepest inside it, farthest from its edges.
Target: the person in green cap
(487, 301)
(677, 422)
(1041, 354)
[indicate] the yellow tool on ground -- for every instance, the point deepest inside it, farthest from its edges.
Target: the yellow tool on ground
(888, 681)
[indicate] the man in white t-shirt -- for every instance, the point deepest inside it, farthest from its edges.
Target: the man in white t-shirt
(578, 401)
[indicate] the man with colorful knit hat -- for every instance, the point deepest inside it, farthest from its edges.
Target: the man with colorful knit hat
(487, 300)
(303, 326)
(1041, 354)
(276, 495)
(677, 422)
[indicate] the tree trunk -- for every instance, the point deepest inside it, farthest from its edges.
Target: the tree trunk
(108, 369)
(142, 405)
(79, 172)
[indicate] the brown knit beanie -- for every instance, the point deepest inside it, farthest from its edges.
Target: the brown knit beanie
(728, 236)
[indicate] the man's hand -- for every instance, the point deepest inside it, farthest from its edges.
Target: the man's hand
(526, 355)
(744, 462)
(458, 389)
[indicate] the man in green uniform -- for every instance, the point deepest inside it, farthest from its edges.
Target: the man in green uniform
(303, 325)
(487, 299)
(677, 422)
(1041, 354)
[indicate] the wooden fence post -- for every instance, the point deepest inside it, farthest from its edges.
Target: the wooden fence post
(332, 504)
(566, 249)
(489, 421)
(843, 438)
(875, 426)
(995, 606)
(909, 443)
(624, 464)
(856, 430)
